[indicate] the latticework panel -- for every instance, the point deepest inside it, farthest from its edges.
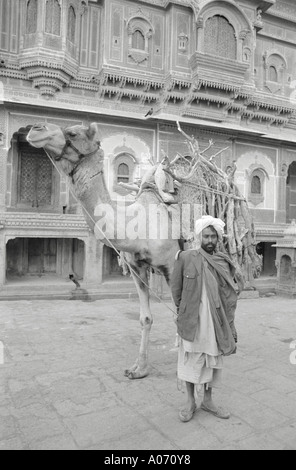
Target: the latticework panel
(35, 180)
(220, 38)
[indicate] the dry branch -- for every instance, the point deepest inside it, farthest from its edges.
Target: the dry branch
(220, 197)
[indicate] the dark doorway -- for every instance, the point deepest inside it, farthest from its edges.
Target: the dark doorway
(268, 251)
(78, 256)
(42, 255)
(111, 266)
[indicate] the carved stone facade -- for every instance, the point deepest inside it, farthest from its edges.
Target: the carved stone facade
(224, 69)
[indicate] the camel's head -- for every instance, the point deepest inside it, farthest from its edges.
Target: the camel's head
(70, 144)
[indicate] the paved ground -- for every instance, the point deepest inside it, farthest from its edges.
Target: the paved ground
(62, 384)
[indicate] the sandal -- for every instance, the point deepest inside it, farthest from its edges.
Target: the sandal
(187, 415)
(219, 412)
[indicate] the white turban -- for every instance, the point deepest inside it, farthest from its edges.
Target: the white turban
(208, 221)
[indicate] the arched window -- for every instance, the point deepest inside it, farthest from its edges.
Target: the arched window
(53, 17)
(138, 41)
(123, 170)
(257, 181)
(256, 185)
(71, 25)
(273, 74)
(286, 276)
(123, 173)
(32, 16)
(220, 38)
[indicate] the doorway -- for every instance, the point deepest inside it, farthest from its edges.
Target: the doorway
(31, 256)
(111, 268)
(42, 256)
(268, 251)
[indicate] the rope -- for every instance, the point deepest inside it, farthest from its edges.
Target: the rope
(109, 241)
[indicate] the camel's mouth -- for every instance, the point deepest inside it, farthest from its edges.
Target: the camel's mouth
(35, 136)
(40, 136)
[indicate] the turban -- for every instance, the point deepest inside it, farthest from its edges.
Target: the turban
(208, 221)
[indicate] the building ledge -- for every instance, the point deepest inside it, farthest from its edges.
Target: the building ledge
(56, 223)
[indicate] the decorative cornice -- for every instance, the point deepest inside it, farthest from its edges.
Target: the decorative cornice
(12, 220)
(165, 3)
(277, 230)
(17, 74)
(196, 5)
(284, 10)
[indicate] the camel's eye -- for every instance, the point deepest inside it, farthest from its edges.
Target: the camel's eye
(72, 133)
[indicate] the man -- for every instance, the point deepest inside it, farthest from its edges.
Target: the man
(205, 295)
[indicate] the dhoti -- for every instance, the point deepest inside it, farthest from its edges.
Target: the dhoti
(200, 362)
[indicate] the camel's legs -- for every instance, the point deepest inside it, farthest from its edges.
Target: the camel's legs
(140, 368)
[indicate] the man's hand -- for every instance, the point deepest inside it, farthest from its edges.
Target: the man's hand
(234, 334)
(175, 316)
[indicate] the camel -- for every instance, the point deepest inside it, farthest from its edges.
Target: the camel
(77, 153)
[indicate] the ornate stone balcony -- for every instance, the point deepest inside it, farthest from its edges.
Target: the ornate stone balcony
(211, 69)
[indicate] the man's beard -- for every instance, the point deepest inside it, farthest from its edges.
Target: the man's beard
(209, 248)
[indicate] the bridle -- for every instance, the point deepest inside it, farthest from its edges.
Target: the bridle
(81, 156)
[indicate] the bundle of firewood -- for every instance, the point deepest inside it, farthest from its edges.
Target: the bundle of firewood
(201, 182)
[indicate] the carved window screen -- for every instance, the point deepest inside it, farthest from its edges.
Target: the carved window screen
(138, 41)
(53, 17)
(123, 174)
(32, 17)
(256, 186)
(9, 25)
(90, 37)
(4, 34)
(71, 25)
(35, 179)
(220, 38)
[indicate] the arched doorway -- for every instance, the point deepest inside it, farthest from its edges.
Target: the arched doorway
(291, 193)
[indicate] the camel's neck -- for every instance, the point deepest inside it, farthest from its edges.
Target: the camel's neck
(100, 211)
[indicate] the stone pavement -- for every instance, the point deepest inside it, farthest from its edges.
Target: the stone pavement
(62, 383)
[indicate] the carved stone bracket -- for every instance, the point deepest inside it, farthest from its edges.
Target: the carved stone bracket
(258, 23)
(2, 62)
(83, 7)
(48, 78)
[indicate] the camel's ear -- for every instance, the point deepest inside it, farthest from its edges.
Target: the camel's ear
(93, 132)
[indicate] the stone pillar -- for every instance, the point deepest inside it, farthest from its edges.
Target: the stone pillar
(2, 256)
(281, 209)
(3, 155)
(93, 273)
